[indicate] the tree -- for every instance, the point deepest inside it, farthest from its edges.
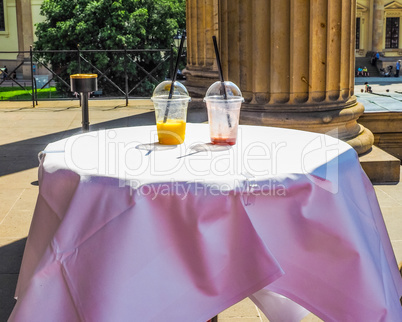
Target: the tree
(109, 25)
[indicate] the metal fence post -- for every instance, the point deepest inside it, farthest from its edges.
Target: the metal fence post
(171, 62)
(125, 72)
(79, 59)
(32, 77)
(36, 90)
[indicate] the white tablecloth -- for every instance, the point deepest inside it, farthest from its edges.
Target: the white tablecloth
(128, 230)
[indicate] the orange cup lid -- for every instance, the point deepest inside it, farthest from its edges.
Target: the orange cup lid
(84, 76)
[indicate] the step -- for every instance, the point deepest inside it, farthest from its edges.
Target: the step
(366, 61)
(387, 130)
(380, 166)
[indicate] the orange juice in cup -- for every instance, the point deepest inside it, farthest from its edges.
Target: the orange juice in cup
(170, 114)
(172, 132)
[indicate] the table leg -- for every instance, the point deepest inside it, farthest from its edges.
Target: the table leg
(85, 112)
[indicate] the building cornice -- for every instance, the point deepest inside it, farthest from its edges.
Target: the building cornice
(361, 8)
(393, 5)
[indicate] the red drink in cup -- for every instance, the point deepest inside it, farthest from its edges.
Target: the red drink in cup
(223, 141)
(223, 113)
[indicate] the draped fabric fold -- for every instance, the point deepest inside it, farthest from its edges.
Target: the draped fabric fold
(338, 239)
(119, 255)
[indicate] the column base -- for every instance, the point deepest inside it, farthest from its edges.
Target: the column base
(362, 142)
(341, 123)
(198, 81)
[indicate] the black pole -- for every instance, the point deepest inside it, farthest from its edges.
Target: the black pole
(171, 62)
(79, 59)
(85, 112)
(79, 72)
(36, 91)
(125, 73)
(32, 78)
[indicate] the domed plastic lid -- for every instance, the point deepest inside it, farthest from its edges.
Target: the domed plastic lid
(216, 92)
(162, 91)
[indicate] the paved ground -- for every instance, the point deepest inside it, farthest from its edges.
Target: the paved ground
(24, 131)
(397, 81)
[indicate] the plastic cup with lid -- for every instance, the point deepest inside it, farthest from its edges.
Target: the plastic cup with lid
(171, 113)
(223, 101)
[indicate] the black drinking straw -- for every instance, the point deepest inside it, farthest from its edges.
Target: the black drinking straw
(218, 61)
(183, 38)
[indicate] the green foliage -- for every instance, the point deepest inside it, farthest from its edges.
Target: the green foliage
(109, 25)
(17, 93)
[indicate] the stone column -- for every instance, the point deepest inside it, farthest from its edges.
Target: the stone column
(202, 24)
(378, 18)
(293, 61)
(25, 33)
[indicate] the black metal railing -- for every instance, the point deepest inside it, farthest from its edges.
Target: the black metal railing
(129, 58)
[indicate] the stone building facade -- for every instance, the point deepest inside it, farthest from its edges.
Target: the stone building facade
(378, 28)
(17, 30)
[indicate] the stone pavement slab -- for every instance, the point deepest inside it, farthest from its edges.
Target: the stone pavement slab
(379, 80)
(380, 102)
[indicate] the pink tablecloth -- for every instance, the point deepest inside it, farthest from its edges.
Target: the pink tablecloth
(127, 230)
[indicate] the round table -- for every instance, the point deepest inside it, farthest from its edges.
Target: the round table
(125, 228)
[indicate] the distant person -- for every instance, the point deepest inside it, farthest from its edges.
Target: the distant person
(373, 59)
(389, 68)
(367, 88)
(398, 67)
(365, 71)
(5, 71)
(359, 71)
